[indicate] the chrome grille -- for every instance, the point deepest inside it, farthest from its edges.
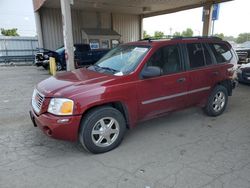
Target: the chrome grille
(37, 101)
(241, 54)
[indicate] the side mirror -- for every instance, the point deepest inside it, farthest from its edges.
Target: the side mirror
(151, 71)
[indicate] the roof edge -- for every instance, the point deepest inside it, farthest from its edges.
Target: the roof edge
(37, 4)
(157, 13)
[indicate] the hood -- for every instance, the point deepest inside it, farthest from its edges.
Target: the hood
(71, 83)
(242, 66)
(242, 49)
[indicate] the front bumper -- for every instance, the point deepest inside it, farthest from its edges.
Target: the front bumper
(243, 79)
(40, 63)
(54, 126)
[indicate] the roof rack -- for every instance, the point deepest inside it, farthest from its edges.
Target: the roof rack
(150, 39)
(197, 37)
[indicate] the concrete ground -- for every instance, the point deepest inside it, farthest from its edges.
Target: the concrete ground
(185, 149)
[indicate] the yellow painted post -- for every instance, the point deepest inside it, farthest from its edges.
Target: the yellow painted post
(52, 66)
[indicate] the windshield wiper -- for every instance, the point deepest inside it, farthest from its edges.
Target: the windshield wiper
(94, 67)
(109, 69)
(98, 68)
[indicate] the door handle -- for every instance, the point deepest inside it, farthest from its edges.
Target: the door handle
(215, 73)
(181, 80)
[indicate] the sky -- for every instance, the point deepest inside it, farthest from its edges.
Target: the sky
(18, 14)
(233, 19)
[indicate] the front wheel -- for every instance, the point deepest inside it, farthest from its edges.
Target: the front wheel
(102, 129)
(217, 101)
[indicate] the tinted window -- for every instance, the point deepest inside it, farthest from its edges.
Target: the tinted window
(208, 57)
(82, 48)
(221, 52)
(167, 58)
(196, 58)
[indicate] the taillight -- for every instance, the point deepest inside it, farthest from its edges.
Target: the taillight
(231, 72)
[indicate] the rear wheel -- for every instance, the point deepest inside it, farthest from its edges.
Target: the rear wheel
(102, 129)
(217, 101)
(59, 66)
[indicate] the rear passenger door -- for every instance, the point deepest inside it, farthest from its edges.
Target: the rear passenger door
(202, 72)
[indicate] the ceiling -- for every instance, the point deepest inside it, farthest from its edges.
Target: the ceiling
(140, 7)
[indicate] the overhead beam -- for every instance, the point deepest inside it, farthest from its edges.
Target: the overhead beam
(173, 10)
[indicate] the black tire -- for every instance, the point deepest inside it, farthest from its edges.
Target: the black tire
(89, 123)
(46, 67)
(211, 109)
(59, 66)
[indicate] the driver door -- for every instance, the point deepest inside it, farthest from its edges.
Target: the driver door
(167, 92)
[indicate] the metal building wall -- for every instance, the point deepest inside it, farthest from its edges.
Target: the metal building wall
(128, 26)
(51, 21)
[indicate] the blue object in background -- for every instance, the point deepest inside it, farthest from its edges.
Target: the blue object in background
(215, 13)
(216, 10)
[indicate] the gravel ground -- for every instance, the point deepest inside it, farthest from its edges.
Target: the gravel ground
(185, 149)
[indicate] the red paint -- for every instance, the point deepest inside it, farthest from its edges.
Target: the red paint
(89, 89)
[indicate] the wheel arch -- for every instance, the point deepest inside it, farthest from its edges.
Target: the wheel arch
(228, 85)
(120, 106)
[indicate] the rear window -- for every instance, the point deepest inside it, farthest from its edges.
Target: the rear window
(82, 48)
(221, 52)
(196, 57)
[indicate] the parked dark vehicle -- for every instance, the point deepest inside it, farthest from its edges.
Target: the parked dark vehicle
(134, 82)
(83, 56)
(42, 57)
(243, 73)
(243, 53)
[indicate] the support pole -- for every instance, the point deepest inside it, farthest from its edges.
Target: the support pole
(67, 34)
(141, 27)
(208, 9)
(39, 29)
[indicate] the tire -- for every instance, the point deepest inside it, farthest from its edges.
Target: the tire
(96, 135)
(46, 67)
(59, 67)
(217, 101)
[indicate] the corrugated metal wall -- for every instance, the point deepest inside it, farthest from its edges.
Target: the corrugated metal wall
(51, 21)
(17, 47)
(126, 25)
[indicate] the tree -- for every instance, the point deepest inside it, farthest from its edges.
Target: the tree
(145, 35)
(230, 38)
(243, 37)
(177, 34)
(220, 35)
(9, 32)
(158, 34)
(187, 33)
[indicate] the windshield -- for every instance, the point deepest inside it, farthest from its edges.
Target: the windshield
(122, 60)
(60, 50)
(244, 45)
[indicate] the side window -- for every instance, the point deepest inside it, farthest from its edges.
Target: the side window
(167, 58)
(196, 58)
(221, 52)
(208, 57)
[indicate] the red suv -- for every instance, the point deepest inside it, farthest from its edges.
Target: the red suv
(132, 83)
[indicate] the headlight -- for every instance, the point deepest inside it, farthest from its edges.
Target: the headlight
(239, 70)
(46, 56)
(61, 106)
